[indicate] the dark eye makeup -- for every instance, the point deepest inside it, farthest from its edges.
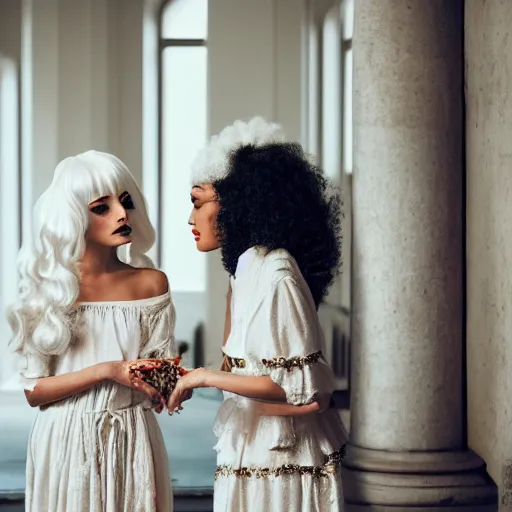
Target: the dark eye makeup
(125, 199)
(127, 202)
(100, 209)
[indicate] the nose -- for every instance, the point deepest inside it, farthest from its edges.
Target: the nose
(123, 215)
(191, 218)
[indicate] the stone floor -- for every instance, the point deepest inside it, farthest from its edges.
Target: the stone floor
(189, 440)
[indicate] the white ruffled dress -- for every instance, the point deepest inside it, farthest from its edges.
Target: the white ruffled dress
(286, 464)
(101, 450)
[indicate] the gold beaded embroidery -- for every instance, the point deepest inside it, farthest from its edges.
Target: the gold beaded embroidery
(235, 362)
(292, 362)
(330, 466)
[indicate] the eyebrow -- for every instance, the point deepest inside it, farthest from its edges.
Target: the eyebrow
(104, 198)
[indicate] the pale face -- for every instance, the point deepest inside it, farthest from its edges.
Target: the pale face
(203, 218)
(108, 221)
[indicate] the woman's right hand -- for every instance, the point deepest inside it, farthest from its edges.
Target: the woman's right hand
(123, 373)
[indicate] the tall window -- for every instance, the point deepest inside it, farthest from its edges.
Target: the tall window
(328, 118)
(9, 206)
(347, 24)
(332, 94)
(336, 96)
(183, 131)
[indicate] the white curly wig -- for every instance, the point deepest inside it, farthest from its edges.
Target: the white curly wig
(212, 162)
(49, 260)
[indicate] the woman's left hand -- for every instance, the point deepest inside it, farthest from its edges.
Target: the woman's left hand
(183, 390)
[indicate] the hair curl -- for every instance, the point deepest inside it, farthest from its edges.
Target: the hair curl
(274, 197)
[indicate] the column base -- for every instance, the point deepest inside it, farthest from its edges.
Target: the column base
(380, 481)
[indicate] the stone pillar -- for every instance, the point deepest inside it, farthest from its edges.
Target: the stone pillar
(408, 427)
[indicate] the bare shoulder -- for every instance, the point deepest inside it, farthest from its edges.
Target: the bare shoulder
(149, 282)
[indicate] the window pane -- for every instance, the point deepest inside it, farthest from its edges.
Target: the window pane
(185, 19)
(184, 115)
(347, 19)
(332, 95)
(9, 210)
(347, 111)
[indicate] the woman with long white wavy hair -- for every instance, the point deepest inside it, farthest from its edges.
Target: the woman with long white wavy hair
(83, 320)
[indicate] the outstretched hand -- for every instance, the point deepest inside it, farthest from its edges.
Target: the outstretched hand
(128, 373)
(183, 390)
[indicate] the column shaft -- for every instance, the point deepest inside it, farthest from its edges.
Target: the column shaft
(408, 294)
(407, 443)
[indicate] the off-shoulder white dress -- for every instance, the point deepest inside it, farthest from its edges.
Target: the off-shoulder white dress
(101, 450)
(286, 464)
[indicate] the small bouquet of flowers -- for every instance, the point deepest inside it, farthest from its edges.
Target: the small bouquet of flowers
(164, 378)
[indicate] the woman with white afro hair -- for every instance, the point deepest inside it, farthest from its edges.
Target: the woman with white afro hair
(82, 321)
(267, 207)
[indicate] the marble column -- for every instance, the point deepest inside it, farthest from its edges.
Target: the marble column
(407, 446)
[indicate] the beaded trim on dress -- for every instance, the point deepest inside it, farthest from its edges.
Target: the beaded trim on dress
(279, 362)
(292, 362)
(331, 465)
(235, 362)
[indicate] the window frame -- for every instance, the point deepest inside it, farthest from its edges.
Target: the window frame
(163, 43)
(10, 81)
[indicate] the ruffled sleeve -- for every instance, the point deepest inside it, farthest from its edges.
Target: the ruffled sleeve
(293, 359)
(32, 366)
(158, 330)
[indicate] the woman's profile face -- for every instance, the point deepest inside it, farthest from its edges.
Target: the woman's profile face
(203, 218)
(109, 224)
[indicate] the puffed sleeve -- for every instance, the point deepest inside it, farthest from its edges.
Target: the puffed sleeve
(158, 330)
(292, 357)
(32, 366)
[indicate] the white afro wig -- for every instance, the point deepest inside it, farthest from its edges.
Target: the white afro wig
(212, 162)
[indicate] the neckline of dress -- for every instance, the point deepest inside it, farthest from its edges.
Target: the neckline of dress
(246, 259)
(135, 302)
